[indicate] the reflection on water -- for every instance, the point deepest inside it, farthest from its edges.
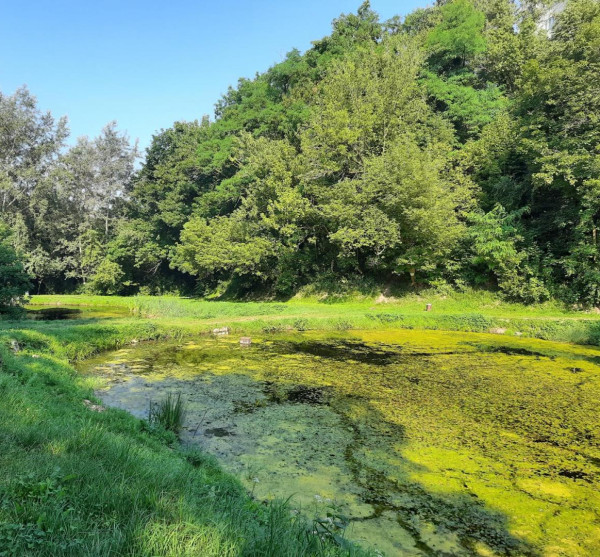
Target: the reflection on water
(59, 313)
(433, 443)
(53, 314)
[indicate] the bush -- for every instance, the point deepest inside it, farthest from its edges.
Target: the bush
(107, 280)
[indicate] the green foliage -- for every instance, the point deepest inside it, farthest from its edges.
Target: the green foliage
(458, 38)
(224, 245)
(385, 150)
(468, 106)
(497, 247)
(14, 281)
(108, 278)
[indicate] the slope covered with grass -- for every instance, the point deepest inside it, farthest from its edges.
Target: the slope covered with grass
(78, 481)
(472, 311)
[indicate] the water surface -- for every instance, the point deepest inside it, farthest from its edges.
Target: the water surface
(39, 312)
(431, 443)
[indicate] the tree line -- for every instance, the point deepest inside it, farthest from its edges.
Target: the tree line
(457, 146)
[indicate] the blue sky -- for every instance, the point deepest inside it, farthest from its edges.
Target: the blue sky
(147, 64)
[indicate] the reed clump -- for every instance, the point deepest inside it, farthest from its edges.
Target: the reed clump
(169, 413)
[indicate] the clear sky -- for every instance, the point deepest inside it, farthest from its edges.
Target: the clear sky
(147, 64)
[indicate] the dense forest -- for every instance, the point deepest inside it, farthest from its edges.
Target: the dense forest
(456, 147)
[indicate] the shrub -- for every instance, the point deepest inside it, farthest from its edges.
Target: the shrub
(301, 324)
(107, 279)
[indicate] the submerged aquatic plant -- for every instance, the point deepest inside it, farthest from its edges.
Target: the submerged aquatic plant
(169, 413)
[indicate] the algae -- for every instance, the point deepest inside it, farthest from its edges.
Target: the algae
(431, 442)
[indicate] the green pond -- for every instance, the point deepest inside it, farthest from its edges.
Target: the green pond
(432, 443)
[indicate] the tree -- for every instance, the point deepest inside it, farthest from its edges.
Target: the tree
(454, 82)
(367, 99)
(30, 141)
(223, 246)
(101, 172)
(107, 278)
(458, 38)
(460, 142)
(14, 281)
(497, 246)
(558, 107)
(404, 213)
(92, 182)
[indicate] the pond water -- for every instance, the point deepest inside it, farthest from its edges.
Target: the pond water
(59, 313)
(432, 443)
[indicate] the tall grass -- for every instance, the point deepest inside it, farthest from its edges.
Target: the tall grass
(169, 316)
(169, 413)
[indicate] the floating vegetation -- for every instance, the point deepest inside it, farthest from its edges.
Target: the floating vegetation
(428, 442)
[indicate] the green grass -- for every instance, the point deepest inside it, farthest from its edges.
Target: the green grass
(78, 482)
(169, 413)
(81, 482)
(473, 311)
(481, 301)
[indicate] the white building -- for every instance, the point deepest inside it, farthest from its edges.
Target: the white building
(548, 17)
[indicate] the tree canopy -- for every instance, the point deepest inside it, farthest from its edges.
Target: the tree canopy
(457, 145)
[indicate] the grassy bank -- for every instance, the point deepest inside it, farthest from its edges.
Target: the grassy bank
(81, 482)
(469, 312)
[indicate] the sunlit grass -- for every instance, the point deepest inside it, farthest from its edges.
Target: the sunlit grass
(81, 482)
(474, 311)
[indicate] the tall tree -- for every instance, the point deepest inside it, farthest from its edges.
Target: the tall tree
(14, 281)
(30, 142)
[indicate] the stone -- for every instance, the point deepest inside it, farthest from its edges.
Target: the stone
(498, 330)
(245, 341)
(93, 407)
(221, 331)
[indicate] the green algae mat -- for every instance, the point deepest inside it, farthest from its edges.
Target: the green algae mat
(431, 443)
